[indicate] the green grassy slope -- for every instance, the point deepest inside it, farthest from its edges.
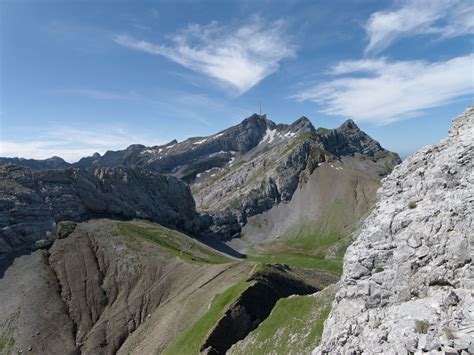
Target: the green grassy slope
(319, 244)
(295, 326)
(190, 341)
(299, 260)
(171, 242)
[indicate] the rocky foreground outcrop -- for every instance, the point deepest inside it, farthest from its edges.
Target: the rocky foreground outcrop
(408, 278)
(33, 201)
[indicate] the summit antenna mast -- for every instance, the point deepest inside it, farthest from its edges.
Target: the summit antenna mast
(260, 102)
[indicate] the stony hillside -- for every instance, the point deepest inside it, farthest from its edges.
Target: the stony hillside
(106, 285)
(408, 278)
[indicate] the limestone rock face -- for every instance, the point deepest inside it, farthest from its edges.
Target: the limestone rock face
(408, 278)
(33, 201)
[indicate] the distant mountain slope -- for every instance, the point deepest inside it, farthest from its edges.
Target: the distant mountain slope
(323, 210)
(408, 278)
(50, 163)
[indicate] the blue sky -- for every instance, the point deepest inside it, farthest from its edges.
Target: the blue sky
(84, 76)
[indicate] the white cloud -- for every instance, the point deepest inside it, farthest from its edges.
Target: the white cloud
(381, 92)
(71, 144)
(240, 57)
(443, 18)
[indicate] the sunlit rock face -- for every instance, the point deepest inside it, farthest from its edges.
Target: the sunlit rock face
(408, 278)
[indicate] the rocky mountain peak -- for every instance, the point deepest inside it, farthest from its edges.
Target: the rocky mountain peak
(173, 142)
(349, 125)
(408, 277)
(136, 146)
(303, 124)
(197, 155)
(254, 119)
(348, 139)
(56, 158)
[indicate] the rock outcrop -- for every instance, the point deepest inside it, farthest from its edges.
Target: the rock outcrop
(408, 278)
(33, 201)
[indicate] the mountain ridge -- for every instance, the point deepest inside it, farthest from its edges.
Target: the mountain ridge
(248, 168)
(109, 158)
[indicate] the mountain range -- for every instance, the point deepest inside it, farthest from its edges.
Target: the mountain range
(194, 246)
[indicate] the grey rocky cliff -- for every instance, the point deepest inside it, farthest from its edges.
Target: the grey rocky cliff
(33, 201)
(408, 279)
(348, 140)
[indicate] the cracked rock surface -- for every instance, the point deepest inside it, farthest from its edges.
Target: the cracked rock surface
(408, 279)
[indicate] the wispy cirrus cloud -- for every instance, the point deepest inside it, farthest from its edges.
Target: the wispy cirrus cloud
(380, 91)
(237, 56)
(443, 18)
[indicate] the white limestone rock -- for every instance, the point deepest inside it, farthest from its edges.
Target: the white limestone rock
(408, 280)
